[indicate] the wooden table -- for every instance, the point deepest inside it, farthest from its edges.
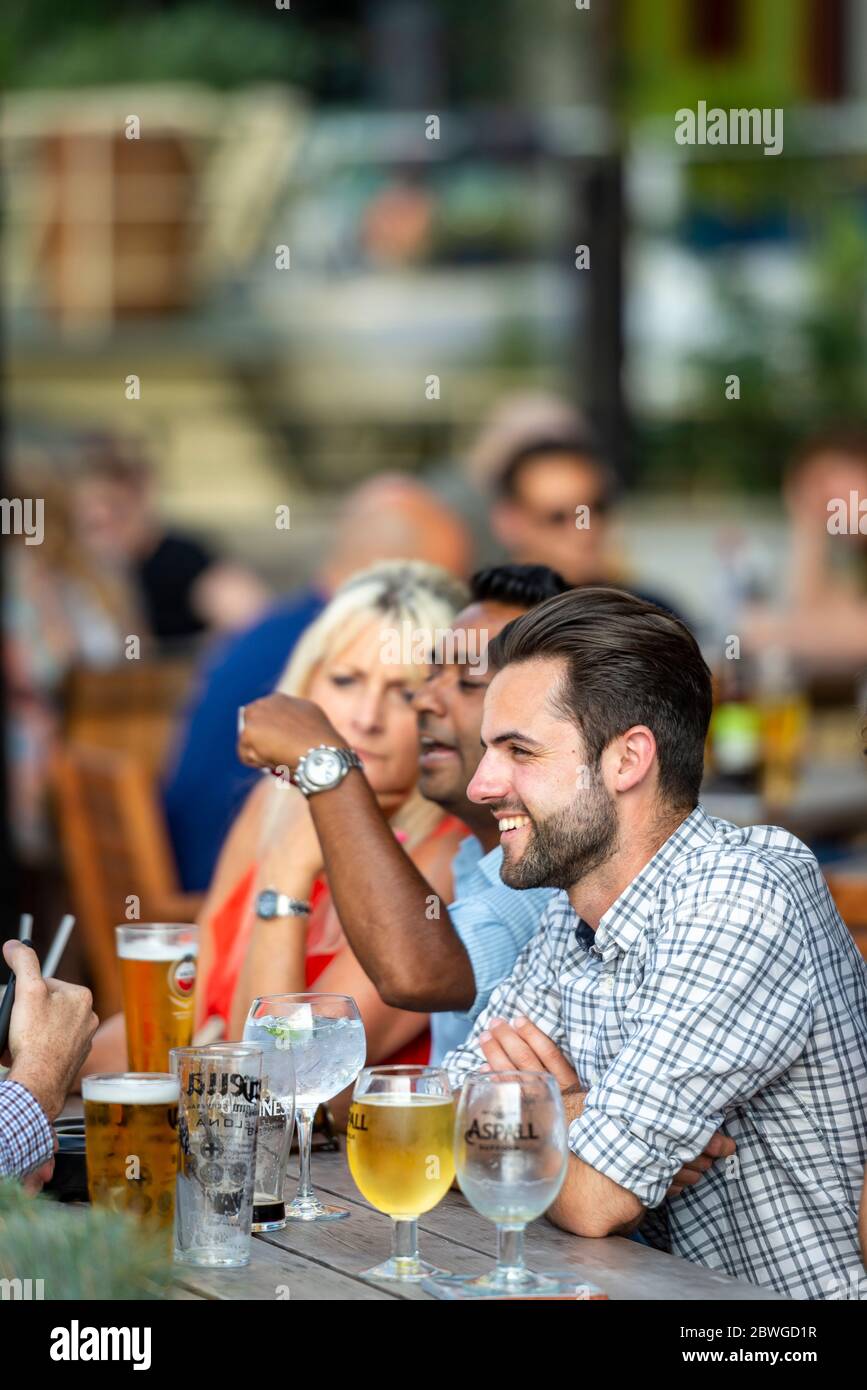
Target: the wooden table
(324, 1261)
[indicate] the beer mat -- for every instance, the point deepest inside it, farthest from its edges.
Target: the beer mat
(581, 1297)
(584, 1293)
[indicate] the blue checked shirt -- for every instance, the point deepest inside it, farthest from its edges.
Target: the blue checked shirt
(720, 991)
(495, 923)
(26, 1141)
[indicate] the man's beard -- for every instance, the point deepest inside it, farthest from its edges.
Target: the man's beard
(567, 846)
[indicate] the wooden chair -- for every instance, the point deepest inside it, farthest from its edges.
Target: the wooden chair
(115, 846)
(850, 894)
(131, 706)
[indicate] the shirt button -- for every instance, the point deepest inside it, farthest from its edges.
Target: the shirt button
(608, 984)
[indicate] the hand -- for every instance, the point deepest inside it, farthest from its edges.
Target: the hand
(279, 729)
(719, 1145)
(50, 1030)
(521, 1046)
(35, 1181)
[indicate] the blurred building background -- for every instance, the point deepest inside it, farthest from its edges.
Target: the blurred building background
(281, 285)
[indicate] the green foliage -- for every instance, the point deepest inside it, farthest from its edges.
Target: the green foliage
(80, 1252)
(202, 41)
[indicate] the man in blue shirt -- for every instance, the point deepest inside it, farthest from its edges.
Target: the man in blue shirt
(420, 954)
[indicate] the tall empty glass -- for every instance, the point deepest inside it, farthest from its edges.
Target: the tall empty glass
(510, 1157)
(220, 1094)
(276, 1116)
(326, 1037)
(158, 972)
(399, 1145)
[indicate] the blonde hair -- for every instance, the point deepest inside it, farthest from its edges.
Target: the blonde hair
(392, 592)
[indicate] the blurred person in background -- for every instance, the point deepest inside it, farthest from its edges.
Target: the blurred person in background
(183, 589)
(467, 481)
(823, 623)
(552, 504)
(61, 611)
(387, 517)
(256, 939)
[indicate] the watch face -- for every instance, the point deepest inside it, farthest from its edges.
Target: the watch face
(267, 904)
(322, 767)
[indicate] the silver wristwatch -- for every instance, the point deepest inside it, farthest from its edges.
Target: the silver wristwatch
(324, 767)
(270, 904)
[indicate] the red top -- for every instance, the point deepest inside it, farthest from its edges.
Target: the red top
(231, 925)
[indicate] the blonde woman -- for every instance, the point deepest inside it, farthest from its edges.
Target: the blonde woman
(272, 845)
(338, 663)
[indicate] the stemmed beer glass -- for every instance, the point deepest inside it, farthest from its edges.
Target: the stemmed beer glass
(399, 1149)
(510, 1157)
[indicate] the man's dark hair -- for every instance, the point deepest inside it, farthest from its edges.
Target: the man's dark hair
(627, 662)
(521, 586)
(546, 446)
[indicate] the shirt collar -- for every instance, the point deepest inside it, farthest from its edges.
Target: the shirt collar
(627, 917)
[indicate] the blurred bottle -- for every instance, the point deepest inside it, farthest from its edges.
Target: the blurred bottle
(784, 713)
(735, 739)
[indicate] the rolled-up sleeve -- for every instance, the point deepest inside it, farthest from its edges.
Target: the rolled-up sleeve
(722, 1011)
(26, 1140)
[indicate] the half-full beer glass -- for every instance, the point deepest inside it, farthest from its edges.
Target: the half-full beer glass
(399, 1148)
(158, 972)
(218, 1115)
(131, 1138)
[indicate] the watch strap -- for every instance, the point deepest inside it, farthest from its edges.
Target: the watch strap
(283, 906)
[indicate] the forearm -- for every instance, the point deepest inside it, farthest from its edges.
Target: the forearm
(403, 939)
(273, 964)
(589, 1203)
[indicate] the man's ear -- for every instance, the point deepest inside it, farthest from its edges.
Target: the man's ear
(631, 758)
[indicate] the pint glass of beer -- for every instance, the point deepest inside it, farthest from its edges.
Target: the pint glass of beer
(131, 1139)
(399, 1144)
(158, 971)
(218, 1115)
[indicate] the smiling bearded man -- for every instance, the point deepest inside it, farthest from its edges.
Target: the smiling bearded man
(694, 977)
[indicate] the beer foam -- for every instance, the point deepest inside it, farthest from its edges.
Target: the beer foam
(131, 1090)
(144, 949)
